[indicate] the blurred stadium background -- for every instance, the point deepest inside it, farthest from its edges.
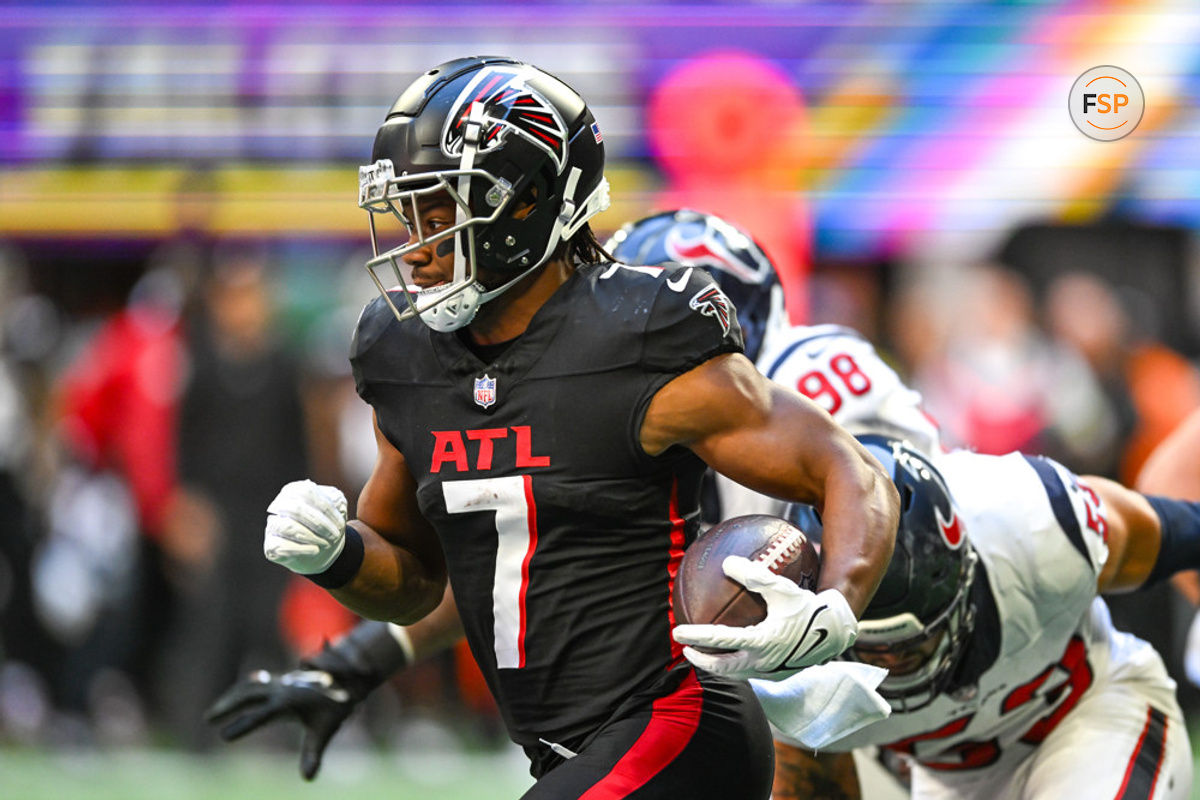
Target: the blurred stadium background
(180, 256)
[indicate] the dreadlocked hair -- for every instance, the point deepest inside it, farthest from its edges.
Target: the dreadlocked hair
(583, 248)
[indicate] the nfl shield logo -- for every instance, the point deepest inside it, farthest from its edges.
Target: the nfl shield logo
(485, 391)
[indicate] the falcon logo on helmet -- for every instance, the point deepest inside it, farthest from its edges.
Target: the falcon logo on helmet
(712, 303)
(509, 106)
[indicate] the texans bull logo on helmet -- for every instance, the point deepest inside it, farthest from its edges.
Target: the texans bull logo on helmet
(510, 106)
(708, 250)
(944, 511)
(711, 302)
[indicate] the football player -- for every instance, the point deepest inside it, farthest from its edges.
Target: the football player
(816, 360)
(1006, 677)
(543, 417)
(813, 359)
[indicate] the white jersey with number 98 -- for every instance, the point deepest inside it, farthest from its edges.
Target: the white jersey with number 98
(840, 371)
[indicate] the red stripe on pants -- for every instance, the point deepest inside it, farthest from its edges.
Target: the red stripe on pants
(673, 721)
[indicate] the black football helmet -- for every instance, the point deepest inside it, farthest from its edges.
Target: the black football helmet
(737, 263)
(493, 134)
(921, 617)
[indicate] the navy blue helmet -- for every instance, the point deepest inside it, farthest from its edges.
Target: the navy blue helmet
(922, 615)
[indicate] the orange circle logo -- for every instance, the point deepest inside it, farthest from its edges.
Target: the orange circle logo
(1106, 103)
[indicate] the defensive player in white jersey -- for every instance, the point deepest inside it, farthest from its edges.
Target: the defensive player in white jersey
(1006, 676)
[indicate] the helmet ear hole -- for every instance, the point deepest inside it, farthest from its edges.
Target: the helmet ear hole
(906, 499)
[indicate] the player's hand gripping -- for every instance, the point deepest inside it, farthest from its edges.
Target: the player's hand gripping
(306, 527)
(322, 693)
(801, 628)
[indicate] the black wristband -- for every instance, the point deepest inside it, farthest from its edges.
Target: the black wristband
(345, 566)
(1179, 542)
(362, 659)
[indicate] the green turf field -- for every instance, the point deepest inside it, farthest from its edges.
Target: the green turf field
(237, 773)
(170, 775)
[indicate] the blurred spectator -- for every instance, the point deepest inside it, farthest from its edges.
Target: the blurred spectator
(241, 435)
(95, 576)
(26, 651)
(1000, 385)
(1152, 387)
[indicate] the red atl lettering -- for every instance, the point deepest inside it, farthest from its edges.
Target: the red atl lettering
(485, 436)
(449, 447)
(525, 449)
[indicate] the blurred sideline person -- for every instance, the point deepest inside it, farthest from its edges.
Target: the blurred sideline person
(240, 378)
(1006, 676)
(560, 538)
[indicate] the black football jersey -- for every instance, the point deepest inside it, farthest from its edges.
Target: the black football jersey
(561, 536)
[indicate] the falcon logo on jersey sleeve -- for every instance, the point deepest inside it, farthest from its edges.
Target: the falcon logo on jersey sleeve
(509, 107)
(711, 302)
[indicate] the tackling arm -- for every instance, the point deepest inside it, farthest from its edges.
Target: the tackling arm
(1149, 537)
(1174, 470)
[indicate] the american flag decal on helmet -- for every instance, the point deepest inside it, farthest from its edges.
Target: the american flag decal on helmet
(510, 107)
(711, 302)
(596, 132)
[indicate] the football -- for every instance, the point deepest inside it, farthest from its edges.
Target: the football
(703, 594)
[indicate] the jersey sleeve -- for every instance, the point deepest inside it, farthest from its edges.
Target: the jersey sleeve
(374, 319)
(1077, 509)
(690, 321)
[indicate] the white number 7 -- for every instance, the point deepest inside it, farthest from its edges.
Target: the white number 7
(516, 525)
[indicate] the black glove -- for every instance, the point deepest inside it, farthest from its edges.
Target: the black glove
(321, 694)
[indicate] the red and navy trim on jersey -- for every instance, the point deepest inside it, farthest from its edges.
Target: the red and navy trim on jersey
(1145, 765)
(835, 331)
(674, 559)
(1060, 503)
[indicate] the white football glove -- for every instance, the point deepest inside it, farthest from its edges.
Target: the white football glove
(801, 628)
(306, 527)
(1191, 652)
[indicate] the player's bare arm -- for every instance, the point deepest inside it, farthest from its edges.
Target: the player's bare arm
(774, 441)
(1173, 470)
(403, 574)
(803, 775)
(1149, 537)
